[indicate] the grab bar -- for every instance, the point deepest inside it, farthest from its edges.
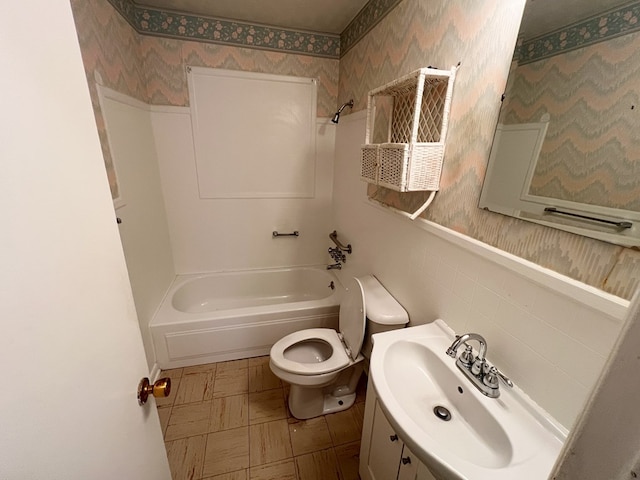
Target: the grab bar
(275, 234)
(334, 238)
(586, 217)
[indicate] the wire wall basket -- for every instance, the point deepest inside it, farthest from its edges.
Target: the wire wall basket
(415, 131)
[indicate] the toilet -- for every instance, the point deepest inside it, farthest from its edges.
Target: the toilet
(322, 365)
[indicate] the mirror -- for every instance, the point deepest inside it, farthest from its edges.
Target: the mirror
(566, 151)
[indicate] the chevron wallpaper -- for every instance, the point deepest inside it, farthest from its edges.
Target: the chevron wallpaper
(413, 34)
(480, 35)
(591, 153)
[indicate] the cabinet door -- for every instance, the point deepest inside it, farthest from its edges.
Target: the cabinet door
(423, 473)
(408, 465)
(386, 448)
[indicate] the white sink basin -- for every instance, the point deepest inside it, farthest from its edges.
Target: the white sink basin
(485, 438)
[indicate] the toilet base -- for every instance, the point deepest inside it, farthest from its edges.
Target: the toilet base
(305, 402)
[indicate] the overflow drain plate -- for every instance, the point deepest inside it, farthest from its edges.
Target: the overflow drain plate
(442, 413)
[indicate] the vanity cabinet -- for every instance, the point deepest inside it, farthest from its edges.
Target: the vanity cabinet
(383, 455)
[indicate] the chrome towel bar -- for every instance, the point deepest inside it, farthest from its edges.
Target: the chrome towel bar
(295, 233)
(586, 217)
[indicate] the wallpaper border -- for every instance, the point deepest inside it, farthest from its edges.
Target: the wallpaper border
(367, 18)
(183, 26)
(605, 26)
(155, 22)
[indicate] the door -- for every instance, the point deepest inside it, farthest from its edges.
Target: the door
(70, 346)
(386, 448)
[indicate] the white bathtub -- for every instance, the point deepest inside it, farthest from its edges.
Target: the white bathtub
(226, 316)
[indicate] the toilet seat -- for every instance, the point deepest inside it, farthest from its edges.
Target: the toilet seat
(338, 359)
(345, 346)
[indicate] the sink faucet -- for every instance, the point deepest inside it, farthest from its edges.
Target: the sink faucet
(451, 351)
(483, 376)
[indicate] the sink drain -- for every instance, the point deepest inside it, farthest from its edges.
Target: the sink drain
(442, 413)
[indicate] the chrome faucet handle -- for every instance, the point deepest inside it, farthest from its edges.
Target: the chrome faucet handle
(467, 358)
(505, 379)
(491, 378)
(478, 366)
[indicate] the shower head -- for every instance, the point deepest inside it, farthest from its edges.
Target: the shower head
(336, 117)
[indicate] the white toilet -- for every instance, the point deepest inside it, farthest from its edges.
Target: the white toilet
(323, 366)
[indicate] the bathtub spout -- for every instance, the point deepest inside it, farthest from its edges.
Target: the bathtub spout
(335, 266)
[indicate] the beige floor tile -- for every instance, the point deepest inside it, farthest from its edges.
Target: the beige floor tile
(164, 413)
(175, 386)
(255, 361)
(233, 365)
(205, 368)
(345, 426)
(195, 388)
(269, 442)
(239, 475)
(186, 457)
(262, 378)
(188, 420)
(283, 470)
(266, 406)
(229, 412)
(226, 452)
(322, 465)
(231, 382)
(349, 460)
(309, 435)
(172, 373)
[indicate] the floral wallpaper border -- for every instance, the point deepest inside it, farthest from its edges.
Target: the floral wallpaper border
(613, 23)
(150, 21)
(365, 20)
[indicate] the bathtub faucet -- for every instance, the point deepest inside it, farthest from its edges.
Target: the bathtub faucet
(335, 266)
(337, 255)
(334, 238)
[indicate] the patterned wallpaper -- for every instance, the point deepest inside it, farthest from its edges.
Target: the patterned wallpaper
(184, 26)
(605, 26)
(413, 34)
(165, 61)
(591, 153)
(481, 35)
(110, 50)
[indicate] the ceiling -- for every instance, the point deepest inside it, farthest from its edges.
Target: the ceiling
(333, 16)
(327, 16)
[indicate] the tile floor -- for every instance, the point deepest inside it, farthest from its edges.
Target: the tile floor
(230, 421)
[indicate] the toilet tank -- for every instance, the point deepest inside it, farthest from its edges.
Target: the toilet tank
(383, 312)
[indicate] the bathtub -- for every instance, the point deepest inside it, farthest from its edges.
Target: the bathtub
(231, 315)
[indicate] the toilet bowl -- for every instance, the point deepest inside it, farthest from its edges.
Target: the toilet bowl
(322, 365)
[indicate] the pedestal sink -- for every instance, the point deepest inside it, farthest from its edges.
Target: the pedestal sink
(457, 432)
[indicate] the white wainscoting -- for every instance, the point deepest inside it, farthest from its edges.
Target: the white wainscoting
(549, 333)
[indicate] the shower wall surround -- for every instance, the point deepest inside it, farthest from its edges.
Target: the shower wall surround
(480, 35)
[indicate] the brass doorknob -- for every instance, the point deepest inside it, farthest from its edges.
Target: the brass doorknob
(161, 388)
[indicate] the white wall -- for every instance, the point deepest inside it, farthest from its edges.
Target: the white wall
(143, 231)
(234, 234)
(550, 334)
